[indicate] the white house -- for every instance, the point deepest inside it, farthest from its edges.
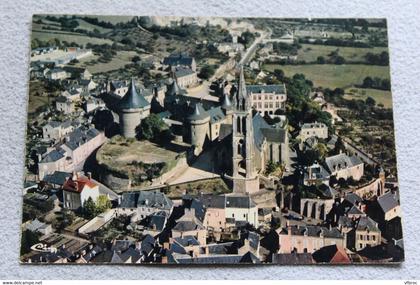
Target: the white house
(344, 166)
(77, 189)
(308, 130)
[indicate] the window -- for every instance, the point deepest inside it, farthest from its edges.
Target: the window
(361, 237)
(373, 238)
(233, 215)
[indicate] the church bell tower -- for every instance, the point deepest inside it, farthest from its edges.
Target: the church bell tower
(244, 174)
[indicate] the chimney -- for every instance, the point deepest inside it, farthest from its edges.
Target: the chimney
(89, 175)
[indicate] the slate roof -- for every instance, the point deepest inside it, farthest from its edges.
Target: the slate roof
(216, 114)
(58, 177)
(181, 72)
(185, 226)
(155, 199)
(186, 241)
(273, 88)
(178, 59)
(342, 161)
(157, 221)
(199, 113)
(313, 125)
(366, 223)
(314, 231)
(225, 131)
(258, 123)
(132, 99)
(53, 156)
(129, 200)
(35, 225)
(274, 135)
(174, 89)
(353, 198)
(226, 104)
(388, 201)
(213, 201)
(355, 211)
(239, 202)
(292, 258)
(80, 136)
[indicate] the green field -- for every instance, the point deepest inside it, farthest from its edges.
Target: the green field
(45, 35)
(310, 53)
(381, 96)
(331, 75)
(118, 61)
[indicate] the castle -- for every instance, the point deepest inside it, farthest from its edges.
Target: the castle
(244, 140)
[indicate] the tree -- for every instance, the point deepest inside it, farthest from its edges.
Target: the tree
(103, 204)
(271, 167)
(279, 74)
(150, 128)
(367, 82)
(320, 60)
(89, 208)
(28, 239)
(206, 72)
(370, 102)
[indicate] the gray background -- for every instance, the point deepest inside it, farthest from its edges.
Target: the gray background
(15, 22)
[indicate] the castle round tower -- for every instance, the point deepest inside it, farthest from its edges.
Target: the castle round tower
(133, 107)
(199, 122)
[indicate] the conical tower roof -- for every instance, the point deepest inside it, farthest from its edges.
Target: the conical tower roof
(226, 104)
(132, 99)
(199, 113)
(174, 88)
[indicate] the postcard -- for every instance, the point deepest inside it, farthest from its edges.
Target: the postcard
(199, 140)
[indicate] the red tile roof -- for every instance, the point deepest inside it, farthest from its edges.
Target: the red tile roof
(79, 184)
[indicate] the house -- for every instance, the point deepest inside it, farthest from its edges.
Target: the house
(77, 190)
(65, 105)
(319, 130)
(241, 208)
(73, 94)
(55, 130)
(93, 104)
(155, 223)
(117, 88)
(344, 166)
(315, 174)
(57, 74)
(180, 60)
(37, 226)
(57, 178)
(70, 154)
(366, 233)
(190, 225)
(267, 99)
(215, 218)
(144, 203)
(185, 77)
(389, 206)
(308, 239)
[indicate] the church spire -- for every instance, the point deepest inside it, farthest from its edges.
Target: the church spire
(241, 99)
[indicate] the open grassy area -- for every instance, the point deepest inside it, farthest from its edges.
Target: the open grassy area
(81, 39)
(118, 61)
(381, 96)
(132, 158)
(310, 53)
(331, 75)
(210, 186)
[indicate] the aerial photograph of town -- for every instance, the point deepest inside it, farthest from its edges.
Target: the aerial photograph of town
(200, 140)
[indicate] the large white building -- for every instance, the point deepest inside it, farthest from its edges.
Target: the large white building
(308, 130)
(267, 99)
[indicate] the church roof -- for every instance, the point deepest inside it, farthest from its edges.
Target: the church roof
(132, 99)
